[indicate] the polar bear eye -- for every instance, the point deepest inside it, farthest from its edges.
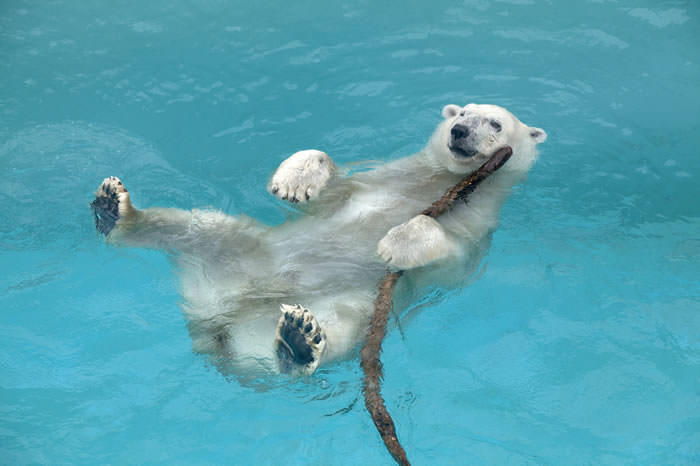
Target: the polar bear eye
(496, 125)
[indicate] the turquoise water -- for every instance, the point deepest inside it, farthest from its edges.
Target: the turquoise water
(578, 344)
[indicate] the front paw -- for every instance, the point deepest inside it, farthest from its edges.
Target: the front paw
(302, 176)
(417, 242)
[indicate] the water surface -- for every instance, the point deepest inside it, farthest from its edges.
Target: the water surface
(579, 342)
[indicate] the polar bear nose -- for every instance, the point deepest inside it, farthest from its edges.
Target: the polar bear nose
(459, 132)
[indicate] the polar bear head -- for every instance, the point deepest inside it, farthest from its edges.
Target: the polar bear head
(470, 134)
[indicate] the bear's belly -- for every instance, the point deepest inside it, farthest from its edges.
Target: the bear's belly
(315, 258)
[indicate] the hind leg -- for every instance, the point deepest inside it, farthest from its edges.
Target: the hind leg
(112, 203)
(124, 225)
(196, 231)
(300, 342)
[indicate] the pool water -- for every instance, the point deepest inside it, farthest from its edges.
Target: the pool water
(578, 344)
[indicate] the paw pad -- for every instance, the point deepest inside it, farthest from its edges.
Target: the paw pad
(300, 341)
(105, 207)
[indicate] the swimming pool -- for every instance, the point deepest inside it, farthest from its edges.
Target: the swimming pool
(578, 344)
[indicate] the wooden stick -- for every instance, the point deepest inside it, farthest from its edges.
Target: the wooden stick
(371, 365)
(461, 190)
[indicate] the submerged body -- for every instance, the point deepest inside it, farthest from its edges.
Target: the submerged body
(236, 273)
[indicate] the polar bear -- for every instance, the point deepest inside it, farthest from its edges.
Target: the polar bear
(321, 270)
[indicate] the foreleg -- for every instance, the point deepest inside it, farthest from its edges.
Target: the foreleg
(418, 242)
(302, 176)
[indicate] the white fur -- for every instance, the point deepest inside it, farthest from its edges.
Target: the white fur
(302, 176)
(398, 247)
(235, 273)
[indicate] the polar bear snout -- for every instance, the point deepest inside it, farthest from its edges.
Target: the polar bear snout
(459, 131)
(460, 141)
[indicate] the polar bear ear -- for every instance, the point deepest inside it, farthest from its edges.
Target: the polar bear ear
(451, 110)
(537, 134)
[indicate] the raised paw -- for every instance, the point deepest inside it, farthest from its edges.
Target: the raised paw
(302, 176)
(110, 204)
(300, 342)
(417, 242)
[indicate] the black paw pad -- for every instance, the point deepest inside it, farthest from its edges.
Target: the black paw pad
(106, 212)
(300, 343)
(294, 346)
(105, 207)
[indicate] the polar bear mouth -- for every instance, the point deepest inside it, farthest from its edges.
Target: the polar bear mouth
(466, 153)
